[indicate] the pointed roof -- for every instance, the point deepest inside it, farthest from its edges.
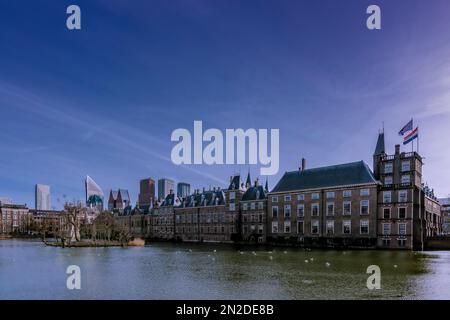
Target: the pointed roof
(325, 177)
(249, 181)
(266, 188)
(380, 149)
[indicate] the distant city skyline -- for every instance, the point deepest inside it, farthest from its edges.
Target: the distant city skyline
(72, 105)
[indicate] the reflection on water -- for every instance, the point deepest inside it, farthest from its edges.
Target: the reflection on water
(30, 270)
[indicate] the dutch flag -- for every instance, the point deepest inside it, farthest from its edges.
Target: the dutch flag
(411, 136)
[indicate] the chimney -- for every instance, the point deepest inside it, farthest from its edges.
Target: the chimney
(397, 149)
(303, 165)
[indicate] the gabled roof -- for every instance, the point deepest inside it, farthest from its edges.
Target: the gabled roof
(254, 193)
(235, 182)
(332, 176)
(206, 198)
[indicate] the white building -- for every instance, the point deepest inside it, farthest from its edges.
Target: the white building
(42, 197)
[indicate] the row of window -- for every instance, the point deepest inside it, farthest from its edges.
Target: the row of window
(402, 196)
(401, 213)
(315, 209)
(389, 166)
(329, 227)
(316, 195)
(252, 206)
(252, 229)
(387, 229)
(406, 179)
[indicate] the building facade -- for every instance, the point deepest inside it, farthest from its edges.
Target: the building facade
(407, 212)
(94, 195)
(14, 218)
(164, 188)
(42, 197)
(445, 213)
(183, 189)
(346, 205)
(146, 192)
(119, 200)
(329, 206)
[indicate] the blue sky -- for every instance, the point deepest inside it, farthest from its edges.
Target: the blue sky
(104, 100)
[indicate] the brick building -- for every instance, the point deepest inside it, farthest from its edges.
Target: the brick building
(14, 218)
(344, 205)
(334, 205)
(407, 212)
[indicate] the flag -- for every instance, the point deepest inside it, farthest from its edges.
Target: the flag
(407, 127)
(411, 136)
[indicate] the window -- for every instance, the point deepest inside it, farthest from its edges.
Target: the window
(347, 193)
(402, 196)
(330, 209)
(315, 227)
(315, 196)
(330, 195)
(275, 211)
(364, 192)
(274, 199)
(406, 165)
(300, 227)
(301, 197)
(232, 207)
(252, 205)
(386, 229)
(386, 213)
(402, 229)
(287, 211)
(330, 227)
(406, 179)
(301, 210)
(364, 226)
(260, 205)
(347, 227)
(388, 167)
(386, 242)
(315, 209)
(402, 243)
(260, 229)
(245, 207)
(274, 227)
(387, 198)
(287, 198)
(347, 210)
(388, 180)
(287, 227)
(402, 213)
(232, 195)
(364, 207)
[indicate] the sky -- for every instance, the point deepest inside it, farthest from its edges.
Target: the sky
(104, 100)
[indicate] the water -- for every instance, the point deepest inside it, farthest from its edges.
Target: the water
(30, 270)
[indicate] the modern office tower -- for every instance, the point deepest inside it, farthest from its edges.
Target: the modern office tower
(183, 189)
(164, 187)
(118, 200)
(146, 192)
(42, 197)
(94, 194)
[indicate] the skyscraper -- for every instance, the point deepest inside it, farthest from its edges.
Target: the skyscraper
(42, 197)
(94, 194)
(146, 191)
(183, 189)
(164, 187)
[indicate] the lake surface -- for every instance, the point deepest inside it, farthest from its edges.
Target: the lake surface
(30, 270)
